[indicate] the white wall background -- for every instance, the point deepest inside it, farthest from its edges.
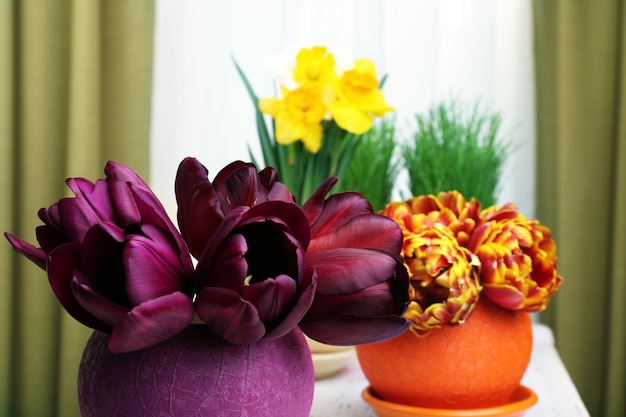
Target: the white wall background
(431, 50)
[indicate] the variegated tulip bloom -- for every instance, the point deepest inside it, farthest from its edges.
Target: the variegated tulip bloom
(454, 251)
(448, 208)
(443, 276)
(518, 258)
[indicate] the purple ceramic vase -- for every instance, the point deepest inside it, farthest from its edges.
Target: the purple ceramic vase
(193, 375)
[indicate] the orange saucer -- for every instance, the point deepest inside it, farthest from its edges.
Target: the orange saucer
(523, 398)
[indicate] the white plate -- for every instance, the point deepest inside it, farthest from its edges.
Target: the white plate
(329, 363)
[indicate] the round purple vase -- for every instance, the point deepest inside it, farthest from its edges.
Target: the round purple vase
(193, 375)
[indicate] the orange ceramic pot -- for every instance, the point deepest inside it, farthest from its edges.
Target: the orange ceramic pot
(474, 365)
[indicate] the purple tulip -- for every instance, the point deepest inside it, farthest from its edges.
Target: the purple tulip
(115, 261)
(267, 264)
(250, 239)
(203, 205)
(362, 284)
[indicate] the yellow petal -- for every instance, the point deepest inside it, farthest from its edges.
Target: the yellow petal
(312, 138)
(314, 67)
(271, 106)
(350, 118)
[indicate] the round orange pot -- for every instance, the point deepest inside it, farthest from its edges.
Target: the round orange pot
(474, 365)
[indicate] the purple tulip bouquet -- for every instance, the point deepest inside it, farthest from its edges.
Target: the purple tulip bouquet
(265, 268)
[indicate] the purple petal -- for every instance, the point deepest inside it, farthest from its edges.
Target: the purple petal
(341, 271)
(337, 210)
(199, 211)
(277, 190)
(120, 172)
(229, 268)
(269, 177)
(238, 184)
(289, 213)
(91, 205)
(272, 297)
(373, 301)
(308, 281)
(229, 316)
(280, 192)
(315, 204)
(104, 310)
(152, 322)
(349, 330)
(390, 297)
(152, 268)
(153, 213)
(61, 269)
(101, 261)
(272, 251)
(205, 262)
(50, 215)
(126, 210)
(49, 237)
(34, 254)
(364, 231)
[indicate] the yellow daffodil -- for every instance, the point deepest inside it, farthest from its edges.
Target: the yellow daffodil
(298, 116)
(358, 98)
(315, 67)
(303, 113)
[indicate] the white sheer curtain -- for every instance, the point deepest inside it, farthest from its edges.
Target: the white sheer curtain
(431, 50)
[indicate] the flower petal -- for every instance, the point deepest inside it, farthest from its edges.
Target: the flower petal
(277, 190)
(63, 262)
(229, 268)
(152, 269)
(272, 297)
(308, 281)
(238, 184)
(91, 205)
(152, 322)
(285, 212)
(352, 330)
(206, 261)
(101, 261)
(104, 310)
(351, 118)
(34, 254)
(125, 204)
(229, 316)
(346, 270)
(199, 211)
(363, 231)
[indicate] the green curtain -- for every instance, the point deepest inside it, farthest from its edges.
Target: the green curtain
(75, 85)
(580, 51)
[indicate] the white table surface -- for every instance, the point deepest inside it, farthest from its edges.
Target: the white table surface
(340, 395)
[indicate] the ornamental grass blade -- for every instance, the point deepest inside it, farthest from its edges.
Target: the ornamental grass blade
(268, 148)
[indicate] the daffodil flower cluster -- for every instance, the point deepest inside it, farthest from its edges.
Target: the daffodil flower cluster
(456, 252)
(351, 99)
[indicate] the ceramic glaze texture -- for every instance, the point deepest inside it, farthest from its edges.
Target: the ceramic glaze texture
(193, 375)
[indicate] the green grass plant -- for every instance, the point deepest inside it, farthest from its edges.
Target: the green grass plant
(374, 167)
(456, 147)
